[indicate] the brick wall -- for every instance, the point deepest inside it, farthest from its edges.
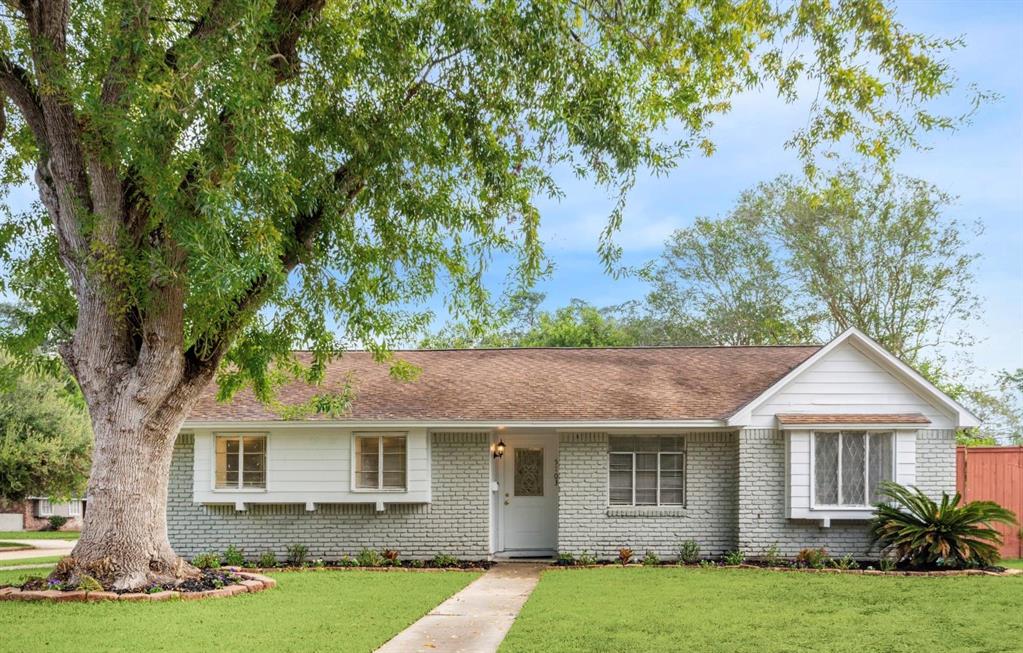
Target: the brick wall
(762, 521)
(936, 462)
(456, 523)
(585, 522)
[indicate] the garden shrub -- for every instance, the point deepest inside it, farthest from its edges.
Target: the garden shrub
(586, 558)
(369, 558)
(624, 555)
(921, 533)
(734, 558)
(56, 522)
(442, 560)
(812, 558)
(846, 562)
(267, 559)
(210, 560)
(87, 583)
(772, 556)
(297, 553)
(689, 552)
(416, 564)
(390, 557)
(347, 561)
(650, 559)
(566, 559)
(234, 557)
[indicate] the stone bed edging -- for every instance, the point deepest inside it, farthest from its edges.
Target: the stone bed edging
(811, 570)
(250, 583)
(273, 570)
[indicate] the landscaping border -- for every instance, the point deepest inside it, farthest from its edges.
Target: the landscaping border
(827, 570)
(251, 583)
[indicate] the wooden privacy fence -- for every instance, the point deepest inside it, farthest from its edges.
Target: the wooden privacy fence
(994, 474)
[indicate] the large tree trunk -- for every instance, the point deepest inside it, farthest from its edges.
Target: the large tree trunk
(124, 537)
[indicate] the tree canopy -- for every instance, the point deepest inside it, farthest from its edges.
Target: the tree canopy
(328, 162)
(798, 259)
(523, 324)
(45, 438)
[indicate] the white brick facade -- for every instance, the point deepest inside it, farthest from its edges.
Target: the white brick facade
(585, 522)
(455, 523)
(735, 498)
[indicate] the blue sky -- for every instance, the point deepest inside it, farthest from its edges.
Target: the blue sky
(982, 164)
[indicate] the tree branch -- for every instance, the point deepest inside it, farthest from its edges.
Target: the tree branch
(16, 83)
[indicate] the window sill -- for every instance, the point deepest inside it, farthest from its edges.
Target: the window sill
(373, 490)
(239, 490)
(646, 511)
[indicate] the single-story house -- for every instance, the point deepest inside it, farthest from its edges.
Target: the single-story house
(524, 452)
(33, 514)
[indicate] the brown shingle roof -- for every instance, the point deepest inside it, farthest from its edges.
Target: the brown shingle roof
(853, 418)
(653, 383)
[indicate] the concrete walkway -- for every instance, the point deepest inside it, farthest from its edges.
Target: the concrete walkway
(476, 619)
(40, 548)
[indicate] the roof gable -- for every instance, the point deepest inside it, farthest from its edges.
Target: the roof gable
(912, 380)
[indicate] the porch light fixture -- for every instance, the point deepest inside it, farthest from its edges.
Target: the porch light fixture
(499, 449)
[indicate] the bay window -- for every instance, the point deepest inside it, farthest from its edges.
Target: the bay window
(849, 467)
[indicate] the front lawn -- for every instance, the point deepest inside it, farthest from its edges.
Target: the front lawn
(39, 535)
(30, 561)
(1012, 564)
(672, 609)
(309, 611)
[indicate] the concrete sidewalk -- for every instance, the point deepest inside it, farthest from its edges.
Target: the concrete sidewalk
(476, 619)
(40, 548)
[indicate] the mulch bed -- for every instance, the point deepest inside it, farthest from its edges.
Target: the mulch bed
(212, 584)
(987, 571)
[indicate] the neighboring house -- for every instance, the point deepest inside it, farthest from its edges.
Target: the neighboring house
(33, 514)
(734, 447)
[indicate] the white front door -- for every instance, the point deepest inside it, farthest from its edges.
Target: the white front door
(528, 498)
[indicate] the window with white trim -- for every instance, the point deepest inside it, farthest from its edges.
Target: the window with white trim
(380, 461)
(241, 461)
(849, 467)
(646, 470)
(74, 508)
(45, 508)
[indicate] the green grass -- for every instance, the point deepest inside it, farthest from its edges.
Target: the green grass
(1012, 564)
(308, 611)
(38, 535)
(30, 561)
(670, 609)
(10, 545)
(15, 576)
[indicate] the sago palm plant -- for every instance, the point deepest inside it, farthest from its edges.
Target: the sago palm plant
(922, 533)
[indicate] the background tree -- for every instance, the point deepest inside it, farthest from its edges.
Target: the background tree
(802, 259)
(221, 181)
(881, 255)
(45, 438)
(577, 325)
(721, 282)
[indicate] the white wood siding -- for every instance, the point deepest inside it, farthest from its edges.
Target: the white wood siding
(310, 465)
(799, 476)
(848, 381)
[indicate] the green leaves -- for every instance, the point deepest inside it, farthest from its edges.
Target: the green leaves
(310, 177)
(45, 439)
(922, 533)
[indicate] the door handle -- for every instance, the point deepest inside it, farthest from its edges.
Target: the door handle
(506, 502)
